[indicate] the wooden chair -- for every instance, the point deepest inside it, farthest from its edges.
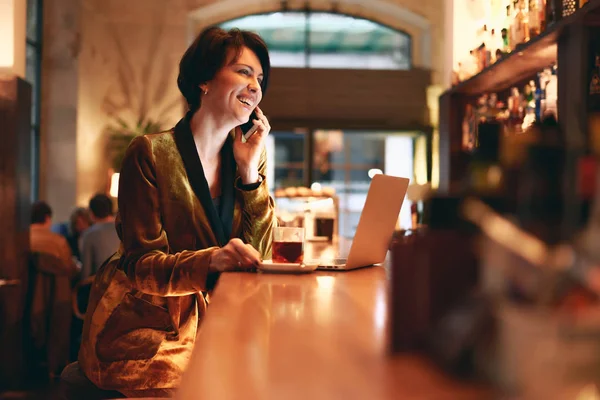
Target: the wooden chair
(47, 315)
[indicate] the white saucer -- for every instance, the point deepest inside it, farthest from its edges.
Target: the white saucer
(294, 268)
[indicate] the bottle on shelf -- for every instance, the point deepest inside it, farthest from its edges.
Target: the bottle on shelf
(515, 111)
(469, 129)
(539, 96)
(549, 96)
(495, 45)
(520, 30)
(524, 12)
(535, 18)
(542, 14)
(507, 31)
(529, 98)
(553, 12)
(484, 50)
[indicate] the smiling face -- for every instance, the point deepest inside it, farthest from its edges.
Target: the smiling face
(235, 90)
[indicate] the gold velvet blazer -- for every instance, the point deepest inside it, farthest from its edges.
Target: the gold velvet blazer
(146, 301)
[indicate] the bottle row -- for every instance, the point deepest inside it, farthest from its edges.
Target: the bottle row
(516, 110)
(505, 26)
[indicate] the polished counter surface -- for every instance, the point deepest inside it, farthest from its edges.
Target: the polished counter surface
(321, 335)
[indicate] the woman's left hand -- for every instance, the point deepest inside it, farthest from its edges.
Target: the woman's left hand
(247, 155)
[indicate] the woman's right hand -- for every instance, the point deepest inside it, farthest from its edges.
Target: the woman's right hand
(235, 255)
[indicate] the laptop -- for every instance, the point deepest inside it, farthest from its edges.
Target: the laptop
(375, 226)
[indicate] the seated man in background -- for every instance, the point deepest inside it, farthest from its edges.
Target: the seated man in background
(99, 241)
(43, 240)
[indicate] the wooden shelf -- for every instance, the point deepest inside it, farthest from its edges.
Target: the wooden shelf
(527, 59)
(564, 43)
(539, 53)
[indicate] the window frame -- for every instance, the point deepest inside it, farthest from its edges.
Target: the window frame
(306, 12)
(35, 44)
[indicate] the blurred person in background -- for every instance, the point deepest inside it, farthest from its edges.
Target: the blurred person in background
(43, 240)
(79, 221)
(99, 241)
(193, 202)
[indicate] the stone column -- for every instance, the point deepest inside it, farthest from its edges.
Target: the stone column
(58, 183)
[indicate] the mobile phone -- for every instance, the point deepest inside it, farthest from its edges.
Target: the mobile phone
(249, 128)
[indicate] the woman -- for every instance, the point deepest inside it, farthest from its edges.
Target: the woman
(193, 202)
(79, 221)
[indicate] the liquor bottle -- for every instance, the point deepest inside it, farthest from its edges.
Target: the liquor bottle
(539, 96)
(495, 45)
(530, 115)
(549, 83)
(484, 52)
(535, 23)
(519, 25)
(552, 12)
(515, 110)
(552, 92)
(529, 94)
(507, 31)
(542, 14)
(469, 128)
(523, 16)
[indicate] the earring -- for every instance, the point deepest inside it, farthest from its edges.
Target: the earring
(205, 92)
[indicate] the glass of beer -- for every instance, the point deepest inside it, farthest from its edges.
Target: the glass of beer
(288, 244)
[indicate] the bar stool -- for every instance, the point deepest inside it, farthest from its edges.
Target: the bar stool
(74, 385)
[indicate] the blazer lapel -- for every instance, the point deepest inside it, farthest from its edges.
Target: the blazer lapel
(193, 166)
(228, 170)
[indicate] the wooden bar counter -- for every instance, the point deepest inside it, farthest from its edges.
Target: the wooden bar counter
(321, 335)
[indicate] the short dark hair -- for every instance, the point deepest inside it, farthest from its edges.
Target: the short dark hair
(40, 210)
(101, 206)
(208, 54)
(79, 212)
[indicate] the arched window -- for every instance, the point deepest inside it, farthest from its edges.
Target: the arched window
(327, 40)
